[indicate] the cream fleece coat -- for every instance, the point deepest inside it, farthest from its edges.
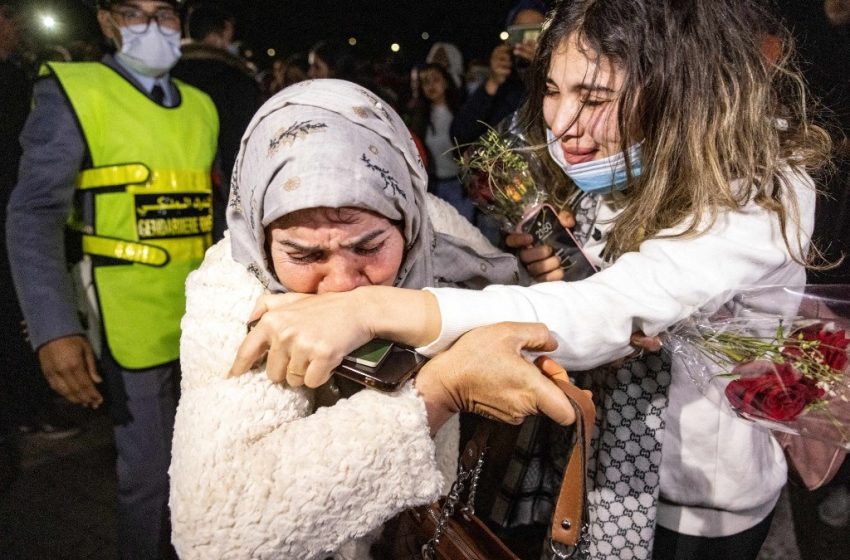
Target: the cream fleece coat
(256, 473)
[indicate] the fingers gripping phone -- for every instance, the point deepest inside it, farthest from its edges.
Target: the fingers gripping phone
(381, 365)
(546, 229)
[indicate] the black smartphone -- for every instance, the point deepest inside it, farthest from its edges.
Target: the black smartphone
(546, 229)
(400, 364)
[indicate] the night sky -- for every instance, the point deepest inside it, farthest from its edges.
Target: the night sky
(294, 25)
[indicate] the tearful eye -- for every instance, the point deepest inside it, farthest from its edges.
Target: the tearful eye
(369, 250)
(304, 259)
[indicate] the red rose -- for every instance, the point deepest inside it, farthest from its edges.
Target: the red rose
(771, 391)
(478, 187)
(832, 345)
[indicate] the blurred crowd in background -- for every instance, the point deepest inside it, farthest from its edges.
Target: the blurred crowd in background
(447, 99)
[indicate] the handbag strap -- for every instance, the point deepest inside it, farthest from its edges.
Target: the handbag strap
(569, 519)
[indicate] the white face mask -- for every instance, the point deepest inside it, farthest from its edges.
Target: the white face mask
(150, 52)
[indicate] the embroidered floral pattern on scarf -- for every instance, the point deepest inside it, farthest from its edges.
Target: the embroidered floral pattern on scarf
(331, 143)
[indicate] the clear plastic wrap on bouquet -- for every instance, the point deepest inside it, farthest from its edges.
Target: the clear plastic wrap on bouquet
(500, 172)
(776, 356)
(505, 179)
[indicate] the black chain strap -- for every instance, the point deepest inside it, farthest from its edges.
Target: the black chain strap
(429, 549)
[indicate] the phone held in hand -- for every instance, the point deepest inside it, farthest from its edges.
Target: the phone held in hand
(546, 229)
(523, 32)
(394, 365)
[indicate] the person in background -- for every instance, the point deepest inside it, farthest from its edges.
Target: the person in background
(823, 39)
(53, 53)
(477, 73)
(500, 94)
(437, 101)
(504, 89)
(822, 35)
(332, 59)
(13, 111)
(85, 51)
(837, 11)
(449, 57)
(26, 401)
(210, 62)
(122, 154)
(288, 71)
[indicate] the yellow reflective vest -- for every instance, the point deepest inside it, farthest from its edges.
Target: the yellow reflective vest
(149, 185)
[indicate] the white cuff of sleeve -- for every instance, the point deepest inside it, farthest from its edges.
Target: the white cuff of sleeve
(460, 312)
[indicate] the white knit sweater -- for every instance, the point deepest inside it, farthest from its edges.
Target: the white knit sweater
(255, 473)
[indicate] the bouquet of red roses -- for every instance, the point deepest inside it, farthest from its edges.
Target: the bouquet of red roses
(777, 356)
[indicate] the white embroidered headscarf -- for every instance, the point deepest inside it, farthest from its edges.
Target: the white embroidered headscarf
(332, 143)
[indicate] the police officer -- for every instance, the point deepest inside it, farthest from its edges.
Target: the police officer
(119, 155)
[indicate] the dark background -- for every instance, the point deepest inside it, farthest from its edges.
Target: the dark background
(294, 25)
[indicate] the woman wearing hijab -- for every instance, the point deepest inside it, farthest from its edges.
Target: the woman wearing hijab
(449, 57)
(329, 194)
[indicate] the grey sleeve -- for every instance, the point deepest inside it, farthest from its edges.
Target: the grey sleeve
(53, 151)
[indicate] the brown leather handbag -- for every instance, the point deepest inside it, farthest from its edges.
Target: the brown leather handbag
(449, 530)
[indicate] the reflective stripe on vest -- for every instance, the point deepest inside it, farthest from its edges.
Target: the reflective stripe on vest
(151, 188)
(125, 250)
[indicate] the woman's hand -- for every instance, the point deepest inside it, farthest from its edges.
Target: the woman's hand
(485, 372)
(643, 342)
(539, 261)
(306, 336)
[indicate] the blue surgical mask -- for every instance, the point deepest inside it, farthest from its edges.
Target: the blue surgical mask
(599, 176)
(150, 52)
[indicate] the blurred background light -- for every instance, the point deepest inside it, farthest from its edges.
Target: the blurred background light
(48, 22)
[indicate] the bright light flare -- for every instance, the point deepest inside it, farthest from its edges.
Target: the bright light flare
(395, 47)
(352, 41)
(49, 22)
(504, 35)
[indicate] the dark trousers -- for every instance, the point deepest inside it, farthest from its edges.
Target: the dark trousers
(670, 545)
(142, 405)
